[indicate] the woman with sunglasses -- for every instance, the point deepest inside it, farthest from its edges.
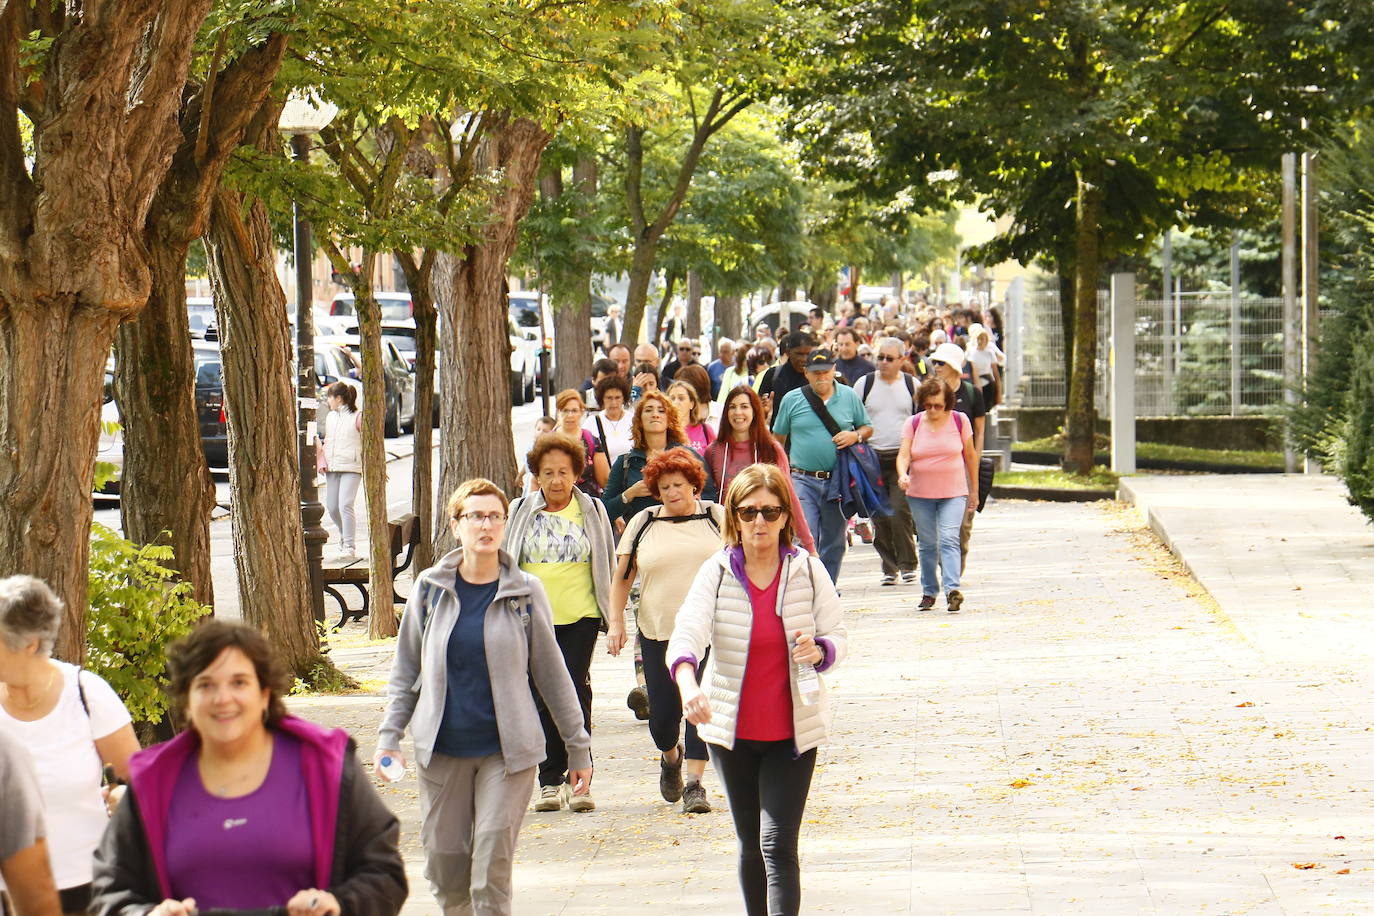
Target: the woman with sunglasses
(744, 440)
(771, 616)
(937, 467)
(477, 631)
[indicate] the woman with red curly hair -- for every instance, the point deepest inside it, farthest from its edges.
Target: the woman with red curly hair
(665, 545)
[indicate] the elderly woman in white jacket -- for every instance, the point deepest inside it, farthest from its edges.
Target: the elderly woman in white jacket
(771, 616)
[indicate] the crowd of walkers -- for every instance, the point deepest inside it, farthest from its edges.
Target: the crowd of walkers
(696, 501)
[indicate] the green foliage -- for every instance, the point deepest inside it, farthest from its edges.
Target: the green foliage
(1055, 479)
(136, 609)
(1357, 462)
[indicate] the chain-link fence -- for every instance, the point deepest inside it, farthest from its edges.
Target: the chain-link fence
(1196, 354)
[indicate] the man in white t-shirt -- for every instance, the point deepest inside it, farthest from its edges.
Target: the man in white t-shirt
(889, 395)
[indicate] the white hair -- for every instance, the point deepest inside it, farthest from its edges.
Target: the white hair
(938, 336)
(723, 343)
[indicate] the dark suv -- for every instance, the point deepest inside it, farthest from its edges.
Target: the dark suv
(214, 429)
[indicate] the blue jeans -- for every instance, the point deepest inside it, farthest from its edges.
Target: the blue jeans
(937, 535)
(825, 519)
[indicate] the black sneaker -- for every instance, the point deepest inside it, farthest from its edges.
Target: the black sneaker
(927, 602)
(954, 600)
(670, 777)
(694, 800)
(638, 700)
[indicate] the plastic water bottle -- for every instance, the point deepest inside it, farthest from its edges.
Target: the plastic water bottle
(808, 682)
(392, 769)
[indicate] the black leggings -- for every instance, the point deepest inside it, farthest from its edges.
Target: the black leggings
(665, 702)
(577, 640)
(766, 786)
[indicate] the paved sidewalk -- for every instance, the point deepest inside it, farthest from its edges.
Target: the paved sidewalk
(1289, 560)
(1090, 735)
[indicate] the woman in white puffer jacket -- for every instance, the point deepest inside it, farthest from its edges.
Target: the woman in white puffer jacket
(342, 462)
(764, 608)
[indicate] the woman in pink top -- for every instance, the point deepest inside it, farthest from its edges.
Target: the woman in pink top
(938, 468)
(744, 440)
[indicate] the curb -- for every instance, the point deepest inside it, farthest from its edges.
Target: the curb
(1147, 464)
(1051, 494)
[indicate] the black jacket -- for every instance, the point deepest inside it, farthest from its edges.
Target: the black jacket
(367, 876)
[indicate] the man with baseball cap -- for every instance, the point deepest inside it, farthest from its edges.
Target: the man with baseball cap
(947, 364)
(813, 452)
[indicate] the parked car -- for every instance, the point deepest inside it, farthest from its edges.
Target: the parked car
(600, 308)
(524, 364)
(396, 306)
(342, 362)
(214, 426)
(200, 313)
(111, 447)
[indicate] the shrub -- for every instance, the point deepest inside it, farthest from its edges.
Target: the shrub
(136, 609)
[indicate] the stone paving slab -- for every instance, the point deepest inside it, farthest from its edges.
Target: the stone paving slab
(1090, 735)
(1285, 555)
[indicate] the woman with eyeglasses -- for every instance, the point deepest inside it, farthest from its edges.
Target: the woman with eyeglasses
(595, 469)
(664, 545)
(937, 467)
(563, 536)
(771, 619)
(477, 631)
(745, 440)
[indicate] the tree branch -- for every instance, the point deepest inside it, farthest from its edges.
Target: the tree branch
(207, 97)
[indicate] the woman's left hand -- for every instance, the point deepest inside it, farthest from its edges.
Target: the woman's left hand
(312, 902)
(806, 650)
(581, 781)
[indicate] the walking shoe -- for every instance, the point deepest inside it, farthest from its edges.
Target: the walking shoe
(670, 777)
(638, 700)
(927, 602)
(908, 577)
(694, 800)
(888, 579)
(578, 804)
(550, 799)
(954, 600)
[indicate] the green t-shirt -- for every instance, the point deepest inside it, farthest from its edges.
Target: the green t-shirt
(558, 551)
(809, 446)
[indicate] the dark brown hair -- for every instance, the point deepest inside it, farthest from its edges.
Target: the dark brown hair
(931, 387)
(193, 653)
(557, 442)
(617, 382)
(345, 393)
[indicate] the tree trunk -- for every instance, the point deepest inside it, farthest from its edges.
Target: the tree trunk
(694, 308)
(1068, 295)
(476, 440)
(1078, 455)
(787, 292)
(418, 279)
(382, 616)
(728, 318)
(664, 303)
(572, 307)
(166, 493)
(260, 394)
(637, 294)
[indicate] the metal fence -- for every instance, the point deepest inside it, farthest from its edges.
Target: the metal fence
(1197, 354)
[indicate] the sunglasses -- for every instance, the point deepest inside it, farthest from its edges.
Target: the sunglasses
(888, 359)
(769, 513)
(938, 362)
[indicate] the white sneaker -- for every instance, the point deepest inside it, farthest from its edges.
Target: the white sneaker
(550, 799)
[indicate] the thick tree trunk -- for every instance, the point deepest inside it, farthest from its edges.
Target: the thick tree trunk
(1078, 454)
(260, 394)
(572, 340)
(52, 365)
(166, 493)
(694, 307)
(787, 292)
(662, 311)
(382, 616)
(103, 96)
(728, 318)
(637, 294)
(476, 436)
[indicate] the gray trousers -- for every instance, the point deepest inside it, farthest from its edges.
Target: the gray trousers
(340, 493)
(470, 815)
(894, 536)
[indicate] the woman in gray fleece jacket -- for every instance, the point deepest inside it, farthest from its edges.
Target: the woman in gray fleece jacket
(476, 631)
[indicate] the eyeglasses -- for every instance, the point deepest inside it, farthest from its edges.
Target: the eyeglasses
(481, 518)
(935, 405)
(769, 513)
(889, 359)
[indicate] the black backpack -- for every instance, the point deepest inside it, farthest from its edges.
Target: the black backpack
(655, 516)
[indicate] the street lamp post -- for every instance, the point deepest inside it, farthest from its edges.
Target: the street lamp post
(300, 118)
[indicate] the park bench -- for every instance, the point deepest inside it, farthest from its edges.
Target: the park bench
(403, 534)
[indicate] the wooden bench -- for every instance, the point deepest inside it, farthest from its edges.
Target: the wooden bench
(403, 534)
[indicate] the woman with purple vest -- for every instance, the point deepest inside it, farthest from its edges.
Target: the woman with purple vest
(248, 808)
